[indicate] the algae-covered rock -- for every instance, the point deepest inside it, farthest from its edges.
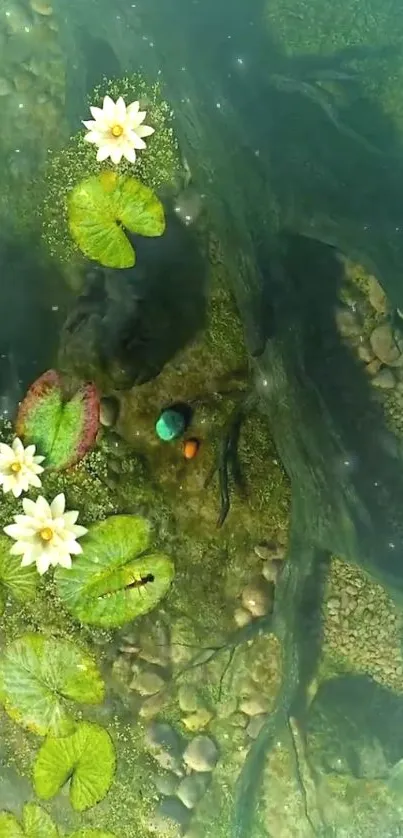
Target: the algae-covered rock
(87, 758)
(115, 580)
(100, 205)
(63, 427)
(159, 166)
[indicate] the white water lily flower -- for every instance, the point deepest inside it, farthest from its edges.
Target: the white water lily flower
(46, 535)
(19, 467)
(117, 130)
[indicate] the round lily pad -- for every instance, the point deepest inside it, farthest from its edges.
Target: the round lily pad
(87, 758)
(36, 823)
(9, 826)
(114, 580)
(62, 427)
(37, 677)
(101, 206)
(16, 581)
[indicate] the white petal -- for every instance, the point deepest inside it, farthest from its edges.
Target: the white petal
(58, 505)
(98, 114)
(70, 518)
(78, 531)
(35, 464)
(18, 549)
(29, 507)
(13, 530)
(93, 137)
(120, 111)
(42, 508)
(145, 131)
(135, 140)
(129, 152)
(28, 558)
(18, 447)
(8, 482)
(72, 547)
(103, 152)
(64, 560)
(141, 117)
(35, 481)
(6, 450)
(89, 123)
(132, 110)
(43, 562)
(116, 154)
(108, 112)
(30, 450)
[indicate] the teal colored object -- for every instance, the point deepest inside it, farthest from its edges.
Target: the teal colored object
(170, 425)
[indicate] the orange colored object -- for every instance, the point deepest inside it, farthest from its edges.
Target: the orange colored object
(190, 448)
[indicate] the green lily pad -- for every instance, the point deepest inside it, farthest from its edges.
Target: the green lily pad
(87, 832)
(9, 826)
(62, 426)
(113, 580)
(37, 676)
(100, 205)
(87, 758)
(16, 581)
(36, 823)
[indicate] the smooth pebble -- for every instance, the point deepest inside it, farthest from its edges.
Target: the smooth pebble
(201, 754)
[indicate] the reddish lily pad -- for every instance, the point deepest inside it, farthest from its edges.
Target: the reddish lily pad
(63, 428)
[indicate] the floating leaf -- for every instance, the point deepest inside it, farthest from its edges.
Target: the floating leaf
(87, 832)
(36, 824)
(100, 205)
(38, 674)
(9, 826)
(110, 583)
(19, 582)
(87, 757)
(63, 429)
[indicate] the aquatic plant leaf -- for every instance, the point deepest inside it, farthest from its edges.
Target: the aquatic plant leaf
(9, 826)
(63, 429)
(100, 205)
(113, 581)
(19, 582)
(39, 674)
(87, 757)
(88, 832)
(37, 823)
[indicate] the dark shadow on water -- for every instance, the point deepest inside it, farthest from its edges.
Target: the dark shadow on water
(127, 324)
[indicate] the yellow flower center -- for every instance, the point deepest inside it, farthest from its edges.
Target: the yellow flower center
(15, 467)
(46, 534)
(117, 130)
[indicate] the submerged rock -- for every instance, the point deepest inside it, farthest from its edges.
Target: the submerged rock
(192, 789)
(201, 754)
(257, 598)
(384, 345)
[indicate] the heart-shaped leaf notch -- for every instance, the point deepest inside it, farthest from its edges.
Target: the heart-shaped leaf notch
(36, 823)
(87, 758)
(39, 675)
(15, 581)
(63, 426)
(101, 206)
(114, 580)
